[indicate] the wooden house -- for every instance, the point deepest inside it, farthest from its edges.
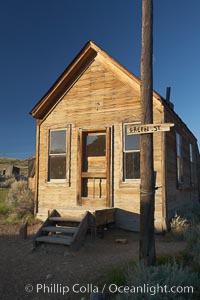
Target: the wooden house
(86, 161)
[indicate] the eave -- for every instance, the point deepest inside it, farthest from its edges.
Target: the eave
(72, 73)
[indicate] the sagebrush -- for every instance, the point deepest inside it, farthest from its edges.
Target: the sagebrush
(156, 277)
(193, 247)
(4, 208)
(20, 199)
(179, 225)
(7, 182)
(191, 212)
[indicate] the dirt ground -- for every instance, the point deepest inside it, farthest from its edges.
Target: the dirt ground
(52, 270)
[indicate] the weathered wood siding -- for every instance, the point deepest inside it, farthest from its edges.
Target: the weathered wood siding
(31, 183)
(99, 98)
(178, 195)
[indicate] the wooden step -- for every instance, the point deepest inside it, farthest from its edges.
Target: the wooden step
(70, 230)
(66, 219)
(64, 240)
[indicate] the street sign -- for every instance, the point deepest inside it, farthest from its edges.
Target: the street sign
(148, 128)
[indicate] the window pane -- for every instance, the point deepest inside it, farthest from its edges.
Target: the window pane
(96, 145)
(179, 170)
(178, 144)
(191, 153)
(132, 142)
(58, 142)
(132, 165)
(57, 167)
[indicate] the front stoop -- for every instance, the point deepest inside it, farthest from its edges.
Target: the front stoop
(65, 230)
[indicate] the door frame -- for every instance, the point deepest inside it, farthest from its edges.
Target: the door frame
(81, 131)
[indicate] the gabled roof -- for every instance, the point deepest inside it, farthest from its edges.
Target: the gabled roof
(72, 73)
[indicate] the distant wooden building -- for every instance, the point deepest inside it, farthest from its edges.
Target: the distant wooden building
(9, 170)
(85, 160)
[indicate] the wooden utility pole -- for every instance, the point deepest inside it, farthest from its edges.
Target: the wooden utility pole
(147, 188)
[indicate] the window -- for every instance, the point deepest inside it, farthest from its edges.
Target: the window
(94, 148)
(179, 158)
(131, 156)
(192, 166)
(57, 154)
(96, 145)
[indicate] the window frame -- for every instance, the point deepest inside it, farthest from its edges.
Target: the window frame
(124, 151)
(63, 154)
(67, 155)
(192, 164)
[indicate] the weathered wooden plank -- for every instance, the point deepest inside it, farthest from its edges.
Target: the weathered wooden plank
(127, 220)
(66, 219)
(79, 167)
(104, 216)
(148, 128)
(48, 222)
(64, 240)
(108, 159)
(93, 174)
(80, 234)
(70, 230)
(36, 200)
(94, 202)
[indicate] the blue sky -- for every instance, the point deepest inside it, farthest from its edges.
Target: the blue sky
(40, 38)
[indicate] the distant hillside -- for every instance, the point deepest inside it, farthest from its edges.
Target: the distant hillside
(22, 164)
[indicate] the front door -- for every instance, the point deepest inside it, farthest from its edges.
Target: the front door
(94, 168)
